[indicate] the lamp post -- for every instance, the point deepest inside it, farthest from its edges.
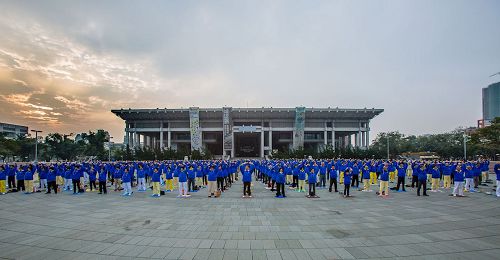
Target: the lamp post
(388, 147)
(465, 146)
(36, 143)
(109, 146)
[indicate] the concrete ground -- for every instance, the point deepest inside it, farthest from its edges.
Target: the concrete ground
(92, 226)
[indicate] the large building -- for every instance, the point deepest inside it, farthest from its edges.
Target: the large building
(247, 132)
(491, 102)
(13, 131)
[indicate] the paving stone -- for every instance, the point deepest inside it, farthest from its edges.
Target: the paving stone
(402, 226)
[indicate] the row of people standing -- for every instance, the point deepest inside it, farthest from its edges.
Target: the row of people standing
(218, 175)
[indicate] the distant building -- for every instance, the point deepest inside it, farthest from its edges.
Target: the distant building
(491, 103)
(247, 132)
(13, 131)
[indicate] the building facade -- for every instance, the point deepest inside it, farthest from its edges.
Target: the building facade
(13, 131)
(491, 102)
(247, 132)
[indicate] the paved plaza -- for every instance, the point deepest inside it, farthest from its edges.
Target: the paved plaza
(92, 226)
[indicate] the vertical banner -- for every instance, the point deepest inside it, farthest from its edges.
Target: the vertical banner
(227, 129)
(298, 132)
(194, 125)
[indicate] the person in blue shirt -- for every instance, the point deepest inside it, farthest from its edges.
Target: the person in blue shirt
(446, 170)
(20, 179)
(384, 181)
(458, 189)
(191, 181)
(42, 174)
(117, 178)
(141, 178)
(169, 183)
(469, 178)
(75, 178)
(28, 178)
(355, 175)
(312, 179)
(322, 174)
(155, 179)
(51, 180)
(183, 178)
(401, 169)
(102, 180)
(127, 182)
(422, 179)
(497, 172)
(485, 167)
(333, 178)
(301, 175)
(477, 174)
(347, 181)
(246, 170)
(436, 177)
(280, 183)
(366, 178)
(414, 176)
(68, 177)
(3, 176)
(199, 175)
(212, 180)
(92, 175)
(11, 176)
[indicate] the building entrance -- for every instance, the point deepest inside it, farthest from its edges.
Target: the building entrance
(247, 144)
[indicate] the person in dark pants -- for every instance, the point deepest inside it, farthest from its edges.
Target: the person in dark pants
(347, 181)
(422, 180)
(51, 180)
(280, 184)
(401, 177)
(246, 170)
(355, 176)
(11, 176)
(333, 178)
(75, 177)
(312, 179)
(414, 176)
(20, 180)
(220, 179)
(92, 178)
(102, 181)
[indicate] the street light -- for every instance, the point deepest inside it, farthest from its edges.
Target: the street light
(388, 147)
(465, 146)
(109, 144)
(36, 143)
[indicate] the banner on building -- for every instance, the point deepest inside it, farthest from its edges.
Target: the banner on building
(227, 128)
(194, 125)
(298, 132)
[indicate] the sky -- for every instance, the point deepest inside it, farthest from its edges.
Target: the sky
(65, 64)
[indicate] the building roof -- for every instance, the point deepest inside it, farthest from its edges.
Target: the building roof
(246, 113)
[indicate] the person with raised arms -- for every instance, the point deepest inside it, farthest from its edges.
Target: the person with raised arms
(401, 169)
(246, 170)
(384, 182)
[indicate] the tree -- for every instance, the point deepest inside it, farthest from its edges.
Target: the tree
(486, 141)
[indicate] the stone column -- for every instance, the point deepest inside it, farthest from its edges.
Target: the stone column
(333, 139)
(262, 142)
(232, 146)
(169, 139)
(270, 140)
(325, 136)
(161, 135)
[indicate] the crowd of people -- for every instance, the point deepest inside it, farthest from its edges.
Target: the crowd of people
(216, 176)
